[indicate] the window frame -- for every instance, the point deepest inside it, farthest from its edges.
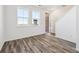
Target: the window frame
(23, 17)
(38, 19)
(29, 17)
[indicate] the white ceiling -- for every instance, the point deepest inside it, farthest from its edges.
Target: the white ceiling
(50, 7)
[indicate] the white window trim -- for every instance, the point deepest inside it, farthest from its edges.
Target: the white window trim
(38, 21)
(22, 17)
(29, 18)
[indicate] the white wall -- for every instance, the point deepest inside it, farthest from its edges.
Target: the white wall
(13, 31)
(56, 15)
(1, 27)
(66, 27)
(77, 23)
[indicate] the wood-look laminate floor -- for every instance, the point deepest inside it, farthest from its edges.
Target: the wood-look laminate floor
(39, 44)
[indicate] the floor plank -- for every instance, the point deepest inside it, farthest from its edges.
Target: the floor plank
(39, 44)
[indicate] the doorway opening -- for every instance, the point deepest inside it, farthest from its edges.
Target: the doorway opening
(47, 22)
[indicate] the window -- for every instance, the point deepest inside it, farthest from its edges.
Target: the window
(35, 17)
(22, 16)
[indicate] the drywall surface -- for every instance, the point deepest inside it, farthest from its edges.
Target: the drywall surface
(66, 27)
(15, 31)
(1, 27)
(77, 23)
(56, 15)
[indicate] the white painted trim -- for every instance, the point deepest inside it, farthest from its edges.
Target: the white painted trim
(1, 44)
(77, 49)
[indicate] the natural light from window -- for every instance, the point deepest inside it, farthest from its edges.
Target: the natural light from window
(25, 17)
(35, 17)
(22, 16)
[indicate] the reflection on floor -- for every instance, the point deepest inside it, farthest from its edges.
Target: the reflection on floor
(39, 44)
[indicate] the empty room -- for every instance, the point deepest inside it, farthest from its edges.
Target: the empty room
(39, 29)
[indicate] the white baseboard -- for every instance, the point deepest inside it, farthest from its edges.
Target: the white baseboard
(77, 49)
(1, 44)
(19, 37)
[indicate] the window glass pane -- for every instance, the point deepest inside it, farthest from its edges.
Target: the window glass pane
(32, 21)
(35, 17)
(20, 21)
(20, 12)
(25, 20)
(26, 14)
(33, 14)
(22, 16)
